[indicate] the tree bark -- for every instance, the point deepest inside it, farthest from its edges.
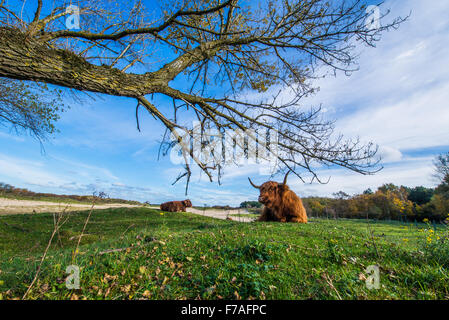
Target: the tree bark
(26, 58)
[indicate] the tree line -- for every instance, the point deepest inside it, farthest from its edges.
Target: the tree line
(390, 202)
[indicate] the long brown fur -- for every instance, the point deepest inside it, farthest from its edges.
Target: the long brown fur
(176, 206)
(281, 204)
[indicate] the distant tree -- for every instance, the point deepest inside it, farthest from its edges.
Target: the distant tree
(443, 188)
(441, 164)
(341, 195)
(420, 195)
(442, 173)
(314, 207)
(250, 204)
(368, 191)
(441, 203)
(388, 187)
(5, 186)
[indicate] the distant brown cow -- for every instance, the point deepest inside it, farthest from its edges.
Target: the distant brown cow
(176, 206)
(281, 203)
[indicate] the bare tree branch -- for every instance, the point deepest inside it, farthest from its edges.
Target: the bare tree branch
(245, 67)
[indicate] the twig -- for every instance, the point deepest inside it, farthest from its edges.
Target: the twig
(115, 250)
(373, 240)
(130, 226)
(84, 228)
(329, 282)
(58, 224)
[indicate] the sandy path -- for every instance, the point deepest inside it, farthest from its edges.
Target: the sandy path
(219, 214)
(12, 206)
(222, 214)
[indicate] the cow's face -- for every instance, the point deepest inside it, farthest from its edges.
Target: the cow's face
(187, 203)
(269, 193)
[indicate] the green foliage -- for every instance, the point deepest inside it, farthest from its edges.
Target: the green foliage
(420, 195)
(435, 245)
(443, 188)
(389, 202)
(31, 107)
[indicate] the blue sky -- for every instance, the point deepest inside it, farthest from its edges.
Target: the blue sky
(399, 99)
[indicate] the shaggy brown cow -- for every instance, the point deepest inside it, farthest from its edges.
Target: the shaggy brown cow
(280, 203)
(176, 206)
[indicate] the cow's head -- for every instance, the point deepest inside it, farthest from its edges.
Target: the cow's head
(187, 203)
(271, 192)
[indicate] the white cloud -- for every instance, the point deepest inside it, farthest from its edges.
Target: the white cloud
(418, 120)
(86, 170)
(31, 172)
(400, 97)
(389, 154)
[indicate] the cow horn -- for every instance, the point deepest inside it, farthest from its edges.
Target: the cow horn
(285, 178)
(257, 187)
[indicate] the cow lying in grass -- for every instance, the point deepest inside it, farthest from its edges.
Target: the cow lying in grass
(176, 206)
(280, 203)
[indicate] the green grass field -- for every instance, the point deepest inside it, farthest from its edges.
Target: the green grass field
(182, 255)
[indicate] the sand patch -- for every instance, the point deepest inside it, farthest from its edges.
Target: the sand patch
(13, 206)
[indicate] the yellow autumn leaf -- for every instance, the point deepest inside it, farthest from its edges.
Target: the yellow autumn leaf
(189, 258)
(142, 269)
(146, 293)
